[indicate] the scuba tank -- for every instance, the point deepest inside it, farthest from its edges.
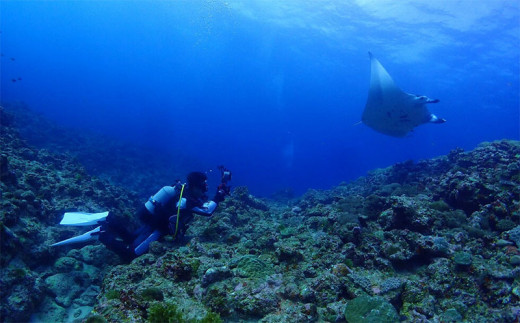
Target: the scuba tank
(161, 198)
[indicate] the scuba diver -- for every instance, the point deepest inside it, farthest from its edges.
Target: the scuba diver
(169, 211)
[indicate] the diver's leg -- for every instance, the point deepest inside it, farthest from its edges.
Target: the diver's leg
(121, 248)
(117, 227)
(142, 242)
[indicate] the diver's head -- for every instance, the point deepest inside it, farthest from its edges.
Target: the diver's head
(197, 183)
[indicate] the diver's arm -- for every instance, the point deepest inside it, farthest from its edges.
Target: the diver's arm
(207, 209)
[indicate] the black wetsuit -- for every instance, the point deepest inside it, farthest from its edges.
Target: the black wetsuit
(158, 219)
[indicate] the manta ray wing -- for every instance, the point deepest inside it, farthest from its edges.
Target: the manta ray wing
(389, 110)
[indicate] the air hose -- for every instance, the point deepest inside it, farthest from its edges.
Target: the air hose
(178, 212)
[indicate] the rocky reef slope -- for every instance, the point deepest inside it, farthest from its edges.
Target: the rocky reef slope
(435, 240)
(36, 188)
(139, 169)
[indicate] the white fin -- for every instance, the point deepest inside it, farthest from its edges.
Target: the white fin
(82, 218)
(81, 238)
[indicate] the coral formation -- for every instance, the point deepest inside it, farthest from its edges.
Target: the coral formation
(37, 187)
(103, 156)
(437, 240)
(370, 309)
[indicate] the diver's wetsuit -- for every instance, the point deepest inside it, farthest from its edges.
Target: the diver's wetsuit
(159, 218)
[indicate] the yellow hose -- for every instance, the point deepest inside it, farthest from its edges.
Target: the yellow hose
(178, 212)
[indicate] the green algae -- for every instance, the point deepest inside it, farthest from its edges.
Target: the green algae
(95, 319)
(463, 258)
(152, 294)
(18, 273)
(252, 267)
(211, 317)
(370, 309)
(170, 313)
(113, 294)
(440, 205)
(162, 313)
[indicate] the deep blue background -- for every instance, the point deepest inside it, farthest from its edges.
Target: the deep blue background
(271, 89)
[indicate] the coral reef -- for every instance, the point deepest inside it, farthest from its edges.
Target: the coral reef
(100, 155)
(394, 245)
(370, 309)
(437, 240)
(37, 187)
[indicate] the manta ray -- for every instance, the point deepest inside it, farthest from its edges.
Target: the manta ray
(391, 111)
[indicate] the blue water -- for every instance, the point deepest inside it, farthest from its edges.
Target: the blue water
(271, 89)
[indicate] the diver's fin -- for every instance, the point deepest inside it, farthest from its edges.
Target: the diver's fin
(88, 236)
(82, 218)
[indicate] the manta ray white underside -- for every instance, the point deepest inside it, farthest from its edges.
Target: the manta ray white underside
(391, 111)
